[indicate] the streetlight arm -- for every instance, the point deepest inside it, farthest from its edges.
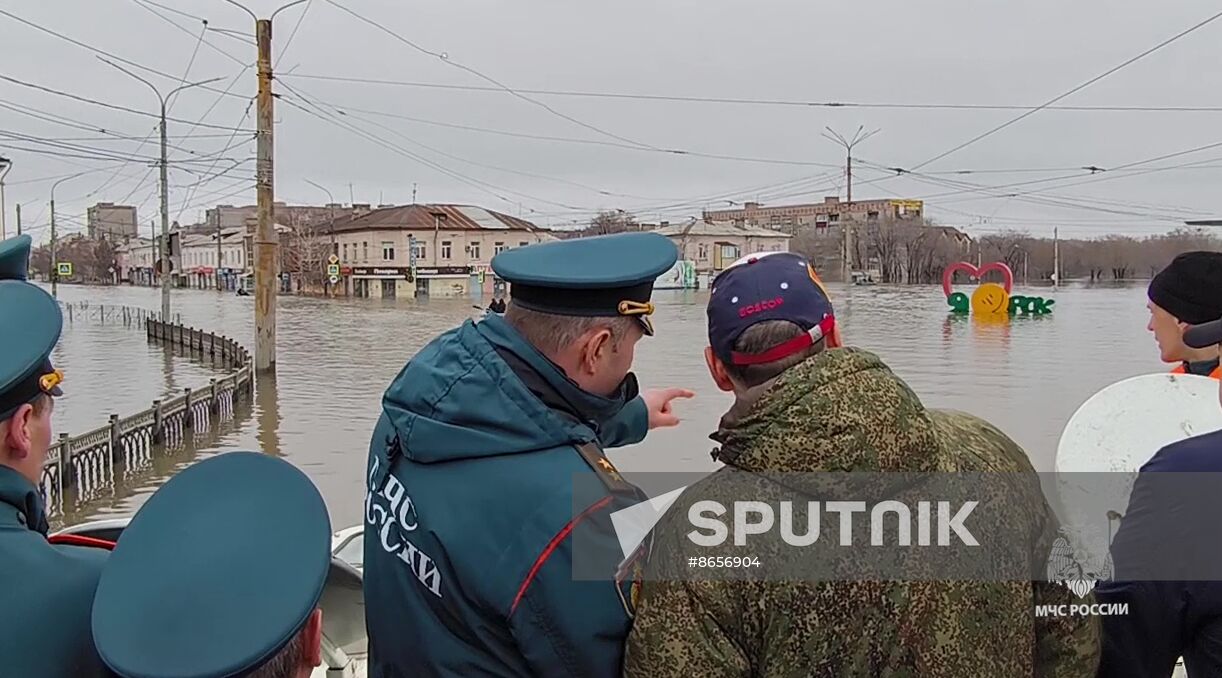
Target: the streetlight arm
(192, 84)
(241, 7)
(323, 189)
(284, 7)
(133, 75)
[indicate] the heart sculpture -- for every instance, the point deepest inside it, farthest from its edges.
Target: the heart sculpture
(948, 276)
(990, 298)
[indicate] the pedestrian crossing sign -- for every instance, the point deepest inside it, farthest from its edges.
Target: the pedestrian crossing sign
(333, 270)
(64, 268)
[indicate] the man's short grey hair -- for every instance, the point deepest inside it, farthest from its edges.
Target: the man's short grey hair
(759, 338)
(551, 333)
(286, 662)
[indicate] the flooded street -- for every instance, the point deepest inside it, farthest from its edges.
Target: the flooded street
(335, 358)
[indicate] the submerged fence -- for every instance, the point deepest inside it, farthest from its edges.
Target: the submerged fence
(88, 460)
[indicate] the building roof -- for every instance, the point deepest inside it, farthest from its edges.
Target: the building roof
(424, 217)
(718, 229)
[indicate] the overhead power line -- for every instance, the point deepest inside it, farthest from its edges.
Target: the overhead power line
(1072, 91)
(445, 58)
(798, 103)
(117, 107)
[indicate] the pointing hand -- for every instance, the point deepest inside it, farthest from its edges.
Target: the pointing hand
(658, 402)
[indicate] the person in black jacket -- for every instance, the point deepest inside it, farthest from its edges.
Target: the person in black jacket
(1168, 558)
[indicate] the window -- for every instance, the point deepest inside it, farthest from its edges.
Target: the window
(345, 252)
(364, 250)
(871, 216)
(498, 247)
(702, 251)
(833, 218)
(388, 251)
(523, 244)
(474, 249)
(445, 249)
(418, 250)
(775, 220)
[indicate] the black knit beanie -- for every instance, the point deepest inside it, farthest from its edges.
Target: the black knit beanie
(1190, 288)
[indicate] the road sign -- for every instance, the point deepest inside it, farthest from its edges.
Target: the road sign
(334, 279)
(333, 270)
(65, 268)
(332, 259)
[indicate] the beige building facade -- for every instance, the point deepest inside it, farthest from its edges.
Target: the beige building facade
(714, 246)
(830, 212)
(453, 249)
(112, 222)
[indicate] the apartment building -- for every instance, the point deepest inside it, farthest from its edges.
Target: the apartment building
(436, 250)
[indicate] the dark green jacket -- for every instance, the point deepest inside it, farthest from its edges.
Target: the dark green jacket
(840, 412)
(48, 591)
(489, 549)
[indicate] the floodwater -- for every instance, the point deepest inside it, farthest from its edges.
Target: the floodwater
(336, 357)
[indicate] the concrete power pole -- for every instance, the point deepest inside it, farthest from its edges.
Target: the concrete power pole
(265, 234)
(266, 244)
(1056, 258)
(846, 221)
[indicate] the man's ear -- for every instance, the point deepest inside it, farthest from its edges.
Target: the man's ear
(717, 370)
(17, 433)
(312, 640)
(593, 349)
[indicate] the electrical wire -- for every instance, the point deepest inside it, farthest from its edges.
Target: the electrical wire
(758, 102)
(1072, 91)
(445, 58)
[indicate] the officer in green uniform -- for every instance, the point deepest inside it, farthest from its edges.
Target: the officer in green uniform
(490, 548)
(48, 588)
(219, 574)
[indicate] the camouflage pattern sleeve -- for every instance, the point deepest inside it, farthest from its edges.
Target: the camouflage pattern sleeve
(680, 628)
(1066, 646)
(674, 634)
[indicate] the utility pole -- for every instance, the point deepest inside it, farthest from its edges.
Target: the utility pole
(413, 193)
(265, 233)
(846, 221)
(220, 253)
(1056, 259)
(331, 207)
(5, 166)
(53, 274)
(266, 244)
(18, 218)
(163, 165)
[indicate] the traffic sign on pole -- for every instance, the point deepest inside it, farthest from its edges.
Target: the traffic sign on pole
(333, 271)
(334, 279)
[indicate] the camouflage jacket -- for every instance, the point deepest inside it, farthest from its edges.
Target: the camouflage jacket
(844, 412)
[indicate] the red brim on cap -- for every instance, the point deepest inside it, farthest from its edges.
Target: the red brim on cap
(788, 348)
(1204, 335)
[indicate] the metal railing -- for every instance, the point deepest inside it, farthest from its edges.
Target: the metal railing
(88, 460)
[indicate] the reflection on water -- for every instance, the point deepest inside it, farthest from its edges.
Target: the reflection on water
(335, 357)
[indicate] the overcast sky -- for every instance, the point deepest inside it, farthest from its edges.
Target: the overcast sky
(608, 153)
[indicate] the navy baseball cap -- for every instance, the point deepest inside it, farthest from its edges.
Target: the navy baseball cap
(767, 286)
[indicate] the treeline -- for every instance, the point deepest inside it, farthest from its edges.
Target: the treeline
(917, 253)
(93, 261)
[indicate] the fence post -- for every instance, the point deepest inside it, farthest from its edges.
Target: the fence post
(158, 422)
(187, 417)
(66, 472)
(216, 403)
(71, 313)
(114, 432)
(212, 344)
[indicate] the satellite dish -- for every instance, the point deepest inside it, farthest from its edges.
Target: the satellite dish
(1122, 426)
(1113, 434)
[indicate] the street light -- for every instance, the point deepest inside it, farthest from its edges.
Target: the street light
(54, 272)
(5, 166)
(165, 190)
(331, 206)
